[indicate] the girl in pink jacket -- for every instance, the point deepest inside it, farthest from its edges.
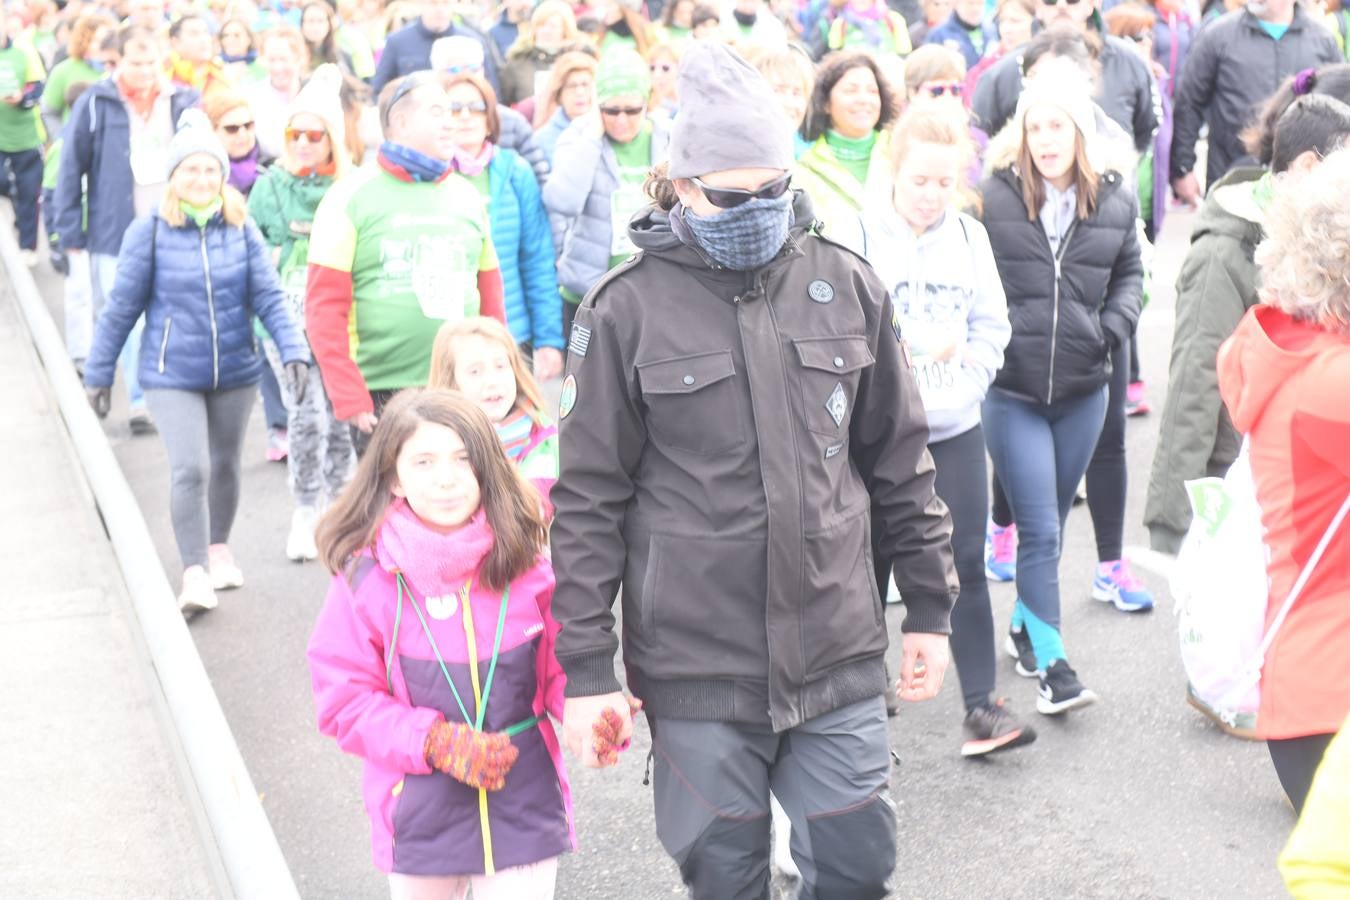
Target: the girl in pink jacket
(433, 659)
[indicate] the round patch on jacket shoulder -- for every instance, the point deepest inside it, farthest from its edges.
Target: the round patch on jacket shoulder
(568, 399)
(820, 291)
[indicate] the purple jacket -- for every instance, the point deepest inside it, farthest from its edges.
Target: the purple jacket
(424, 822)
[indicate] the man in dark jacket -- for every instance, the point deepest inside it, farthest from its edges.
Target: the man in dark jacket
(408, 50)
(1236, 62)
(737, 417)
(1126, 92)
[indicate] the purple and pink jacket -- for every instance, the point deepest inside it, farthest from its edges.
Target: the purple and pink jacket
(422, 821)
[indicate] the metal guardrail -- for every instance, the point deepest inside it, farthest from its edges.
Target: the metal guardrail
(247, 845)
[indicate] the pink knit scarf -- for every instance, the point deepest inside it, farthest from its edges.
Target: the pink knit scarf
(435, 564)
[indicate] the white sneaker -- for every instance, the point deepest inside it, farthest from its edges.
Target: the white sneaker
(197, 594)
(300, 542)
(225, 575)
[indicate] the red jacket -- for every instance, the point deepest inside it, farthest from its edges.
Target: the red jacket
(1286, 384)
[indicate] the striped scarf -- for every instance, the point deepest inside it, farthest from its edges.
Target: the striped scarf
(514, 434)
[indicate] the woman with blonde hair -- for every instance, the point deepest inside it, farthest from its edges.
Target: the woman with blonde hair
(199, 271)
(1283, 376)
(551, 32)
(792, 76)
(570, 94)
(282, 205)
(935, 78)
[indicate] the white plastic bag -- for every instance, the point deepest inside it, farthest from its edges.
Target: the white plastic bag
(1221, 590)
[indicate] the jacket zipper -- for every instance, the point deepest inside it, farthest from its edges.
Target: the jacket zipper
(1056, 256)
(211, 308)
(164, 343)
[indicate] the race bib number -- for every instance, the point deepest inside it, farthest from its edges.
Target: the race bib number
(937, 381)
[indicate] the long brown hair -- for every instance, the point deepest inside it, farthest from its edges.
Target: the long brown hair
(511, 503)
(1033, 185)
(443, 359)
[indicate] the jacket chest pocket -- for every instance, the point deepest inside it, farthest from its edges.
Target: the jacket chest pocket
(830, 370)
(693, 402)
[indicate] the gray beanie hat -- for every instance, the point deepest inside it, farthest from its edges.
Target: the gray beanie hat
(729, 117)
(195, 135)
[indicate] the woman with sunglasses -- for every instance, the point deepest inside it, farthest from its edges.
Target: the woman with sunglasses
(1061, 220)
(663, 61)
(606, 154)
(736, 420)
(232, 118)
(852, 109)
(282, 205)
(935, 82)
(519, 224)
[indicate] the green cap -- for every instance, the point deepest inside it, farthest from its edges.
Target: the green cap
(622, 73)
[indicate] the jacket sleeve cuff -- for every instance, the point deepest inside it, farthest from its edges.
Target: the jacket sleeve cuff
(1117, 328)
(928, 613)
(590, 674)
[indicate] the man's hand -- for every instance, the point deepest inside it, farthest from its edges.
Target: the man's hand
(548, 363)
(364, 421)
(100, 398)
(1187, 190)
(924, 663)
(595, 728)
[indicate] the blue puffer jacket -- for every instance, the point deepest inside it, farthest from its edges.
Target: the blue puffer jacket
(520, 234)
(582, 200)
(199, 289)
(98, 145)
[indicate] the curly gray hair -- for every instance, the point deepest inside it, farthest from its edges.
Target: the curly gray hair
(1305, 258)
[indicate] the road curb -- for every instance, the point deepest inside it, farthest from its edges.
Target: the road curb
(244, 838)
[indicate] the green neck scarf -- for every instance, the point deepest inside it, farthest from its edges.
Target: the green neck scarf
(201, 214)
(850, 149)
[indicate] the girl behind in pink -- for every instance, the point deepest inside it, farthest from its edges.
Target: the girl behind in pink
(479, 358)
(432, 658)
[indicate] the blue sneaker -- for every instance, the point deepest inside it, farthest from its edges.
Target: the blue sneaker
(1000, 553)
(1115, 583)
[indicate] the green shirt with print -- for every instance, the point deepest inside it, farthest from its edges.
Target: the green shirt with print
(20, 129)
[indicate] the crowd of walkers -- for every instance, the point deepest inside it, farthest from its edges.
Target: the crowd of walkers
(844, 296)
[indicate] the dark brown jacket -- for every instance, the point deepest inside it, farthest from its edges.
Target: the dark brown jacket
(730, 433)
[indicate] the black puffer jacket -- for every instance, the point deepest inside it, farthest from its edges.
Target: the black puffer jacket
(1066, 314)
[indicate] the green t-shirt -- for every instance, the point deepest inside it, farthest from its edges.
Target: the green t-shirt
(20, 129)
(635, 161)
(414, 252)
(854, 154)
(481, 182)
(64, 74)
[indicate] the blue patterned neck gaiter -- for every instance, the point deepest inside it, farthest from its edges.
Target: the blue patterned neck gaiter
(744, 237)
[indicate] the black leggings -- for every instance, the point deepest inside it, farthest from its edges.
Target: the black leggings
(1106, 475)
(960, 479)
(1296, 761)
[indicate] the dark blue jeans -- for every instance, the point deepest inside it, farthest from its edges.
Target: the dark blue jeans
(27, 168)
(1040, 453)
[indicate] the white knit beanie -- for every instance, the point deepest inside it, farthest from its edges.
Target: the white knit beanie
(195, 135)
(321, 97)
(1070, 98)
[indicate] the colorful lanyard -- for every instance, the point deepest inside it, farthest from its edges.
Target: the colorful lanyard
(480, 695)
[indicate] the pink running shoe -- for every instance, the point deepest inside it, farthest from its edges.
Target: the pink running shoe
(1000, 552)
(1136, 404)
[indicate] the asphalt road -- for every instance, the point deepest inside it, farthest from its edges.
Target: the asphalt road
(1135, 797)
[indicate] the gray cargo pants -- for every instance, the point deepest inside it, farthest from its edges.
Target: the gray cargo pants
(831, 776)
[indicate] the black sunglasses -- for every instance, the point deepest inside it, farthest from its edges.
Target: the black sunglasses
(730, 198)
(1066, 2)
(235, 129)
(615, 111)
